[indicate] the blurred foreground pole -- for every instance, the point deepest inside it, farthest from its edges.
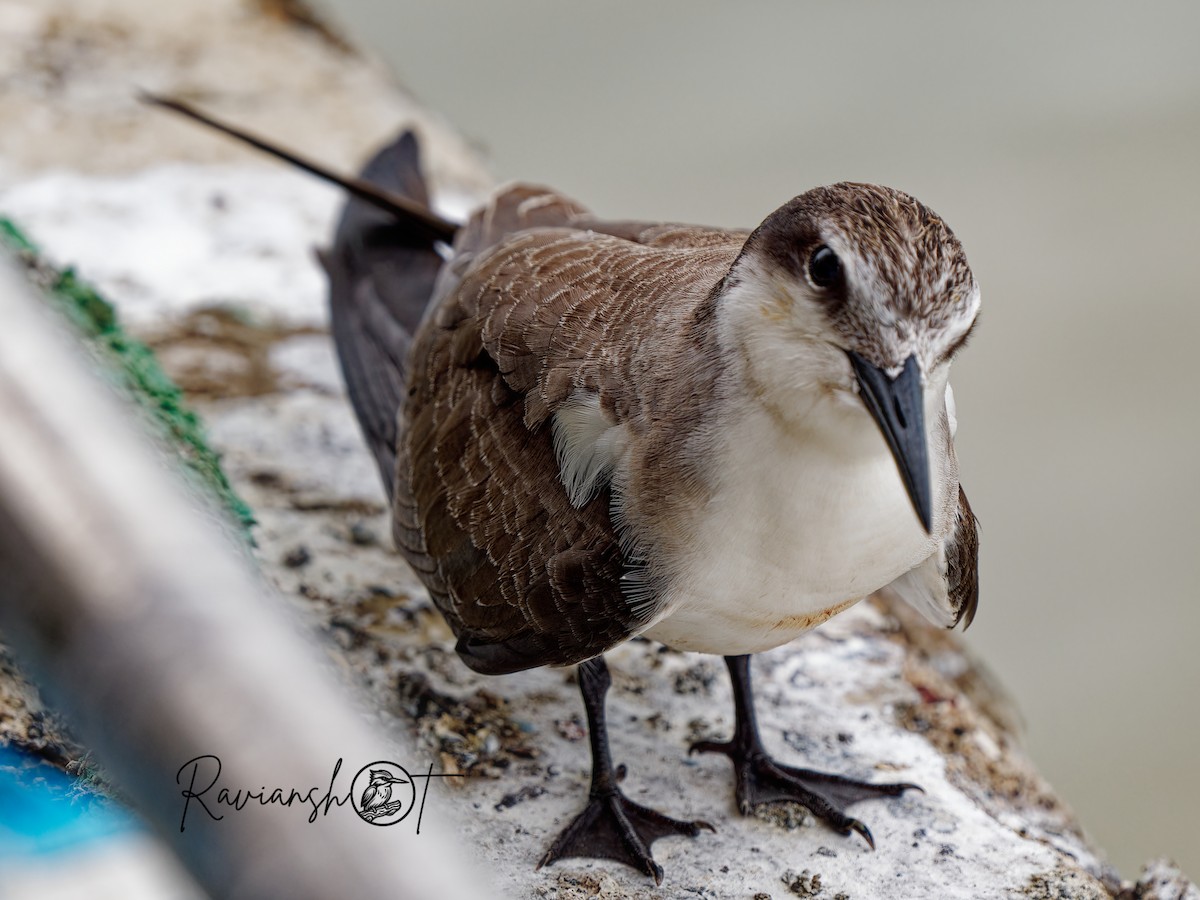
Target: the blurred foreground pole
(144, 625)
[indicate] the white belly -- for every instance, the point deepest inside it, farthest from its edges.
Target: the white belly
(802, 525)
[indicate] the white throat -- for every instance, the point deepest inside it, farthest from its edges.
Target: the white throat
(808, 512)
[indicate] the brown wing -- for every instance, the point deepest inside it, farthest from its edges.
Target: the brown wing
(962, 564)
(524, 578)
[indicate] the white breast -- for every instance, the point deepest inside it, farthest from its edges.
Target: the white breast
(805, 521)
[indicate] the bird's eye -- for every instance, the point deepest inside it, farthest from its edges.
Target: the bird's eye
(824, 268)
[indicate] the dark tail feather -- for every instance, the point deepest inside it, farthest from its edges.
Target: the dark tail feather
(381, 271)
(418, 216)
(381, 275)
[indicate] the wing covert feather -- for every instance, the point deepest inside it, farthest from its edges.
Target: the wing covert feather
(962, 563)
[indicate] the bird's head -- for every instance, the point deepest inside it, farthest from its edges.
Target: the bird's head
(383, 776)
(855, 297)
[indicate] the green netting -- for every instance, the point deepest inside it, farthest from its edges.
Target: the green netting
(135, 368)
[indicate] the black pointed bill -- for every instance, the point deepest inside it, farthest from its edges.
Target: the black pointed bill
(898, 406)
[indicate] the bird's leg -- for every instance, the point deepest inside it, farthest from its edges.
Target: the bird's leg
(762, 780)
(612, 826)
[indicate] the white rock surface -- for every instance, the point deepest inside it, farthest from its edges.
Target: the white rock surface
(157, 254)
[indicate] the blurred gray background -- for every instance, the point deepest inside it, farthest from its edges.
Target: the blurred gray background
(1062, 142)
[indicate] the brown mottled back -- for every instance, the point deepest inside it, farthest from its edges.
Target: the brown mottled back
(540, 301)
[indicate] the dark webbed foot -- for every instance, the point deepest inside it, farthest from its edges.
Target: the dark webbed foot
(761, 780)
(612, 826)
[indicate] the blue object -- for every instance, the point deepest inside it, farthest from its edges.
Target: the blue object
(44, 811)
